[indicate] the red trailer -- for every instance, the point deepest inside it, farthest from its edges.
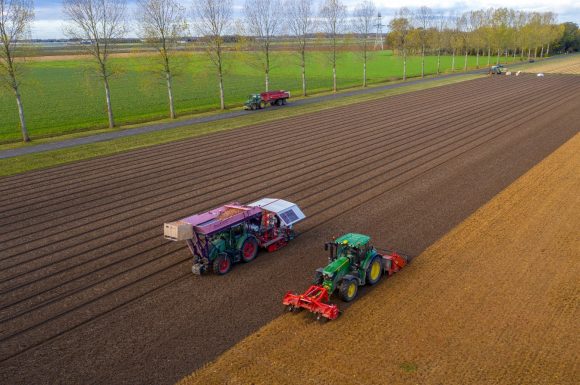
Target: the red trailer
(259, 101)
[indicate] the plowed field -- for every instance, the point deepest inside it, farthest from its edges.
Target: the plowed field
(496, 301)
(561, 65)
(90, 291)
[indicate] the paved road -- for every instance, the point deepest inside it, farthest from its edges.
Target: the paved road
(228, 115)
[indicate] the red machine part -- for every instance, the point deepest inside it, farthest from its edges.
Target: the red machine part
(315, 300)
(273, 237)
(393, 263)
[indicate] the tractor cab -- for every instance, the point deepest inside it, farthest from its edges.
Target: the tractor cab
(254, 102)
(497, 69)
(254, 98)
(352, 246)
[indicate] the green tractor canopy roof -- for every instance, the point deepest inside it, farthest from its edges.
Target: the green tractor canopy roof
(353, 240)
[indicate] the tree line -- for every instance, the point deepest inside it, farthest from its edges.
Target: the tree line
(163, 23)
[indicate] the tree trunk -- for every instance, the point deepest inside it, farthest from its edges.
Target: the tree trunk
(498, 55)
(488, 55)
(267, 81)
(438, 61)
(423, 62)
(465, 62)
(477, 59)
(548, 50)
(109, 106)
(453, 61)
(170, 94)
(535, 52)
(23, 128)
(515, 52)
(404, 65)
(222, 96)
(365, 74)
(334, 78)
(529, 53)
(542, 52)
(303, 74)
(507, 51)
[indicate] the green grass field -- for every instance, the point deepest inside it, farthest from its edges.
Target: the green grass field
(65, 96)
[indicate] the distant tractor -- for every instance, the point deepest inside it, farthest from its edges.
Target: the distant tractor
(353, 262)
(497, 70)
(232, 233)
(259, 101)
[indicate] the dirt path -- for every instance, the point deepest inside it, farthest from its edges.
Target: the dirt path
(85, 272)
(495, 301)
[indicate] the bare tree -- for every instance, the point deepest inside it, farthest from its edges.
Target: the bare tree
(162, 23)
(333, 18)
(213, 18)
(97, 23)
(263, 20)
(401, 27)
(363, 21)
(464, 35)
(439, 37)
(15, 19)
(423, 21)
(477, 22)
(300, 23)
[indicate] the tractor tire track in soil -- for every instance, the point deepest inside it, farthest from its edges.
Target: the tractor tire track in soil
(83, 260)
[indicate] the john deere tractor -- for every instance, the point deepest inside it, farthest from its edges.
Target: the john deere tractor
(353, 262)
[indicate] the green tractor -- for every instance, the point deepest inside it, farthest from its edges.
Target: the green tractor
(353, 262)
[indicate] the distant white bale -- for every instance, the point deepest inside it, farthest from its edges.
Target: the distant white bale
(508, 73)
(541, 75)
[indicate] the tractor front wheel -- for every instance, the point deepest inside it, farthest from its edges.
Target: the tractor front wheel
(374, 271)
(222, 264)
(348, 289)
(262, 105)
(249, 249)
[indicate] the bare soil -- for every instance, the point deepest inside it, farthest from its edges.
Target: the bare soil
(567, 66)
(91, 292)
(495, 301)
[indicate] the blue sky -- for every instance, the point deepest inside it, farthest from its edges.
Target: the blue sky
(49, 18)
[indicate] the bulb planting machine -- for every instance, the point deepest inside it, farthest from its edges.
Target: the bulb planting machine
(234, 232)
(353, 262)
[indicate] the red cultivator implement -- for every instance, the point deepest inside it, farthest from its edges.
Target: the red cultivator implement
(314, 300)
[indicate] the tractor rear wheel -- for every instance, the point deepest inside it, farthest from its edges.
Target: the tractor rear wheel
(374, 271)
(222, 264)
(348, 289)
(278, 102)
(249, 249)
